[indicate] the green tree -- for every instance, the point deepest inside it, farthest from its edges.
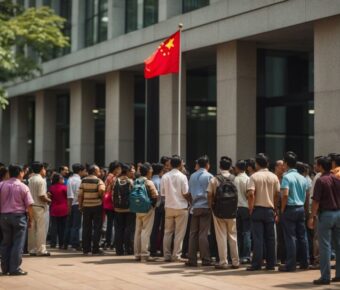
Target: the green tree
(38, 29)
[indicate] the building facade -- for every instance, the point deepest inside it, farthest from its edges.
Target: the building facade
(257, 76)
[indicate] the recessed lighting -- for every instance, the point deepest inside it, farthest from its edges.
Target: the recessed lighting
(95, 111)
(311, 112)
(105, 19)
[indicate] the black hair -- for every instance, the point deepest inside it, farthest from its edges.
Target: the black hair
(301, 168)
(37, 167)
(325, 163)
(251, 163)
(176, 161)
(332, 156)
(92, 169)
(241, 164)
(56, 177)
(2, 165)
(203, 161)
(114, 165)
(157, 168)
(225, 162)
(262, 160)
(61, 168)
(125, 168)
(337, 160)
(3, 172)
(145, 168)
(291, 159)
(164, 159)
(14, 170)
(77, 167)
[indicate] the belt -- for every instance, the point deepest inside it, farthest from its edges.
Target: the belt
(295, 206)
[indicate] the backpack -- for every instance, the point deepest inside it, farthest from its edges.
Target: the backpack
(225, 202)
(121, 192)
(140, 201)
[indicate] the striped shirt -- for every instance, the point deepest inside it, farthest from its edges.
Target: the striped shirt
(91, 192)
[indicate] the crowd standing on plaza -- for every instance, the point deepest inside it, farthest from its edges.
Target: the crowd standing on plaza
(285, 215)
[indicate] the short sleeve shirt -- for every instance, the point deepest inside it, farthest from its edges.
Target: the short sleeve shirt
(265, 184)
(297, 186)
(38, 188)
(327, 192)
(198, 185)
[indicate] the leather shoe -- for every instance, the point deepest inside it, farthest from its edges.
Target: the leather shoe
(190, 264)
(253, 269)
(20, 272)
(284, 269)
(336, 279)
(321, 282)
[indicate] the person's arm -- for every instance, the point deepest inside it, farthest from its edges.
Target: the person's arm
(30, 215)
(251, 200)
(185, 189)
(284, 199)
(307, 202)
(42, 194)
(80, 196)
(101, 188)
(70, 196)
(312, 217)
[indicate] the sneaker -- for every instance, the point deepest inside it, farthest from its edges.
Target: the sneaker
(20, 272)
(321, 282)
(314, 267)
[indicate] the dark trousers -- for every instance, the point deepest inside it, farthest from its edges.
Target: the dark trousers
(294, 231)
(243, 232)
(185, 247)
(281, 246)
(198, 238)
(14, 227)
(156, 238)
(73, 226)
(109, 227)
(263, 231)
(58, 225)
(92, 226)
(124, 232)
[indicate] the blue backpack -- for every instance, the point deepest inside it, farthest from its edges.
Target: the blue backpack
(139, 198)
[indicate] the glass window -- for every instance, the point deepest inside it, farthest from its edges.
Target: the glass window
(96, 21)
(99, 125)
(31, 130)
(150, 12)
(31, 3)
(189, 5)
(131, 15)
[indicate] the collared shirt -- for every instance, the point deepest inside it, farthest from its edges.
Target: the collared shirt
(327, 192)
(15, 196)
(297, 187)
(157, 182)
(241, 182)
(91, 191)
(214, 183)
(38, 188)
(198, 185)
(266, 185)
(174, 185)
(72, 188)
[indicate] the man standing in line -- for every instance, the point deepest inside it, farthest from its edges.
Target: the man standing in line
(295, 198)
(90, 197)
(174, 187)
(15, 201)
(37, 232)
(263, 190)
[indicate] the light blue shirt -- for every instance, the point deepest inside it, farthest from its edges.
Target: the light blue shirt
(198, 185)
(157, 182)
(297, 187)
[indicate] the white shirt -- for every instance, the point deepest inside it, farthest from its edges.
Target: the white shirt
(241, 182)
(174, 185)
(72, 188)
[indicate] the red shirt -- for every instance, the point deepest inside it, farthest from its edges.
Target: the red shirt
(107, 198)
(59, 199)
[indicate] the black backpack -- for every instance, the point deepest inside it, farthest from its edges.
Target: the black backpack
(226, 198)
(121, 193)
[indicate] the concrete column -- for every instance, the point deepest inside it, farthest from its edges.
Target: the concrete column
(5, 135)
(236, 99)
(327, 85)
(45, 127)
(168, 114)
(78, 25)
(116, 12)
(119, 114)
(168, 9)
(82, 101)
(18, 130)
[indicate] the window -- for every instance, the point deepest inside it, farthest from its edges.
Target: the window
(31, 3)
(189, 5)
(96, 20)
(99, 125)
(150, 12)
(140, 13)
(131, 22)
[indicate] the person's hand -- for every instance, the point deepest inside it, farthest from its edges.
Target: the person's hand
(277, 219)
(29, 223)
(310, 223)
(251, 211)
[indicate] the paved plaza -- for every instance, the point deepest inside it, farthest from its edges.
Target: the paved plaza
(73, 271)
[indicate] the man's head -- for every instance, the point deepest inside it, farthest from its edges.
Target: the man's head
(157, 168)
(165, 160)
(240, 166)
(146, 170)
(203, 162)
(225, 163)
(64, 171)
(261, 161)
(16, 171)
(301, 168)
(290, 160)
(279, 168)
(94, 170)
(332, 156)
(79, 169)
(337, 160)
(176, 162)
(132, 171)
(251, 166)
(324, 164)
(38, 168)
(115, 168)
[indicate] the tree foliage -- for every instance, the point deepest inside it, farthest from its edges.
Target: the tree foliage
(37, 30)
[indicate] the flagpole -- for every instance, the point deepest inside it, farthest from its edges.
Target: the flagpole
(146, 122)
(180, 26)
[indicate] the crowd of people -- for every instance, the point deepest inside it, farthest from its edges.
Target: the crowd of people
(285, 215)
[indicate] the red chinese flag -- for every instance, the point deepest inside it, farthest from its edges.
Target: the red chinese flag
(165, 59)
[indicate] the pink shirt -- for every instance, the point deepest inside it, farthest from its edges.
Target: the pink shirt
(15, 196)
(59, 199)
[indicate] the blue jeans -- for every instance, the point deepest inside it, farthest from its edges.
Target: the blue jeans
(73, 226)
(294, 232)
(263, 230)
(328, 228)
(14, 227)
(243, 232)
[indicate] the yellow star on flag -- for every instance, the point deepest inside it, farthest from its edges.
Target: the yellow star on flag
(170, 43)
